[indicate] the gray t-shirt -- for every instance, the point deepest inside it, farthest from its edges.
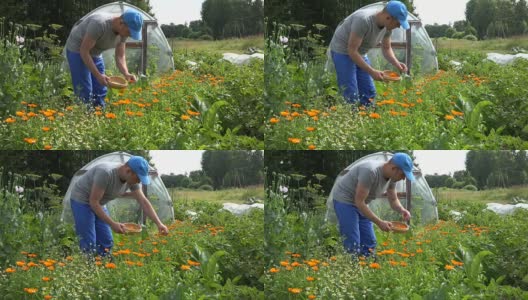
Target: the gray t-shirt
(369, 174)
(363, 24)
(98, 27)
(104, 176)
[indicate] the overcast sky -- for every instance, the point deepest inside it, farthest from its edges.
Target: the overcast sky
(440, 161)
(441, 12)
(176, 11)
(176, 161)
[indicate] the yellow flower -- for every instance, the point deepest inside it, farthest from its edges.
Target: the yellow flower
(110, 266)
(374, 266)
(30, 140)
(374, 115)
(185, 117)
(30, 290)
(294, 140)
(294, 290)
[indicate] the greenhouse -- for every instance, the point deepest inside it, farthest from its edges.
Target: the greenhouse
(152, 54)
(415, 196)
(412, 47)
(126, 209)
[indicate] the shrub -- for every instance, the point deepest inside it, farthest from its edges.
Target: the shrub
(470, 187)
(470, 37)
(206, 37)
(458, 185)
(205, 187)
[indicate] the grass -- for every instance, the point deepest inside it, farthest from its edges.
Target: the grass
(237, 45)
(234, 195)
(495, 45)
(503, 196)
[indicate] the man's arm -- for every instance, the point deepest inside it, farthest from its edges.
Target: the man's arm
(386, 49)
(149, 210)
(86, 45)
(354, 42)
(395, 203)
(120, 58)
(361, 195)
(96, 195)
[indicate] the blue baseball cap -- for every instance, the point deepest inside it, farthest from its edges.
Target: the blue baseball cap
(398, 10)
(140, 166)
(134, 21)
(404, 162)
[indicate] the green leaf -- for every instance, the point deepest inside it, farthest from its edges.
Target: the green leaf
(210, 115)
(476, 117)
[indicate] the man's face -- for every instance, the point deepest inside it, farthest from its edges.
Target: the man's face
(123, 29)
(397, 174)
(132, 178)
(392, 23)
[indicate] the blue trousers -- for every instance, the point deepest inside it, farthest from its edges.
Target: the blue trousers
(357, 230)
(85, 85)
(95, 235)
(354, 83)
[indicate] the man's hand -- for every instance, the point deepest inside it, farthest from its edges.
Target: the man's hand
(130, 77)
(102, 79)
(377, 75)
(406, 215)
(162, 229)
(385, 226)
(401, 66)
(118, 227)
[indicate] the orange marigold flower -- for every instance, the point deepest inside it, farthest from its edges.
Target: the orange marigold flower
(295, 114)
(311, 147)
(374, 266)
(30, 290)
(98, 113)
(98, 263)
(295, 264)
(110, 266)
(311, 296)
(310, 128)
(449, 117)
(285, 113)
(185, 117)
(374, 115)
(310, 278)
(274, 120)
(456, 113)
(110, 116)
(274, 270)
(20, 113)
(294, 140)
(10, 120)
(30, 140)
(193, 113)
(294, 290)
(20, 263)
(47, 297)
(457, 263)
(46, 129)
(46, 278)
(296, 105)
(185, 267)
(10, 270)
(193, 263)
(284, 263)
(449, 267)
